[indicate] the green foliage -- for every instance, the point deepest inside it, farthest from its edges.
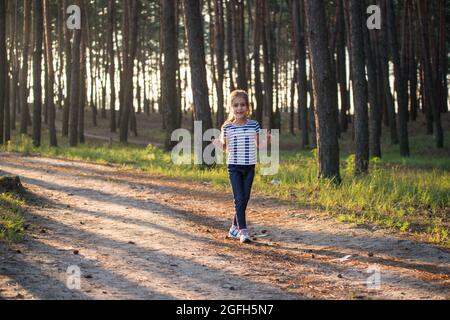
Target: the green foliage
(349, 166)
(11, 222)
(24, 145)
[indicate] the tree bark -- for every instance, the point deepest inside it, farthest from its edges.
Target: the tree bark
(383, 48)
(68, 70)
(341, 67)
(37, 60)
(60, 26)
(257, 34)
(359, 85)
(170, 52)
(229, 40)
(373, 95)
(9, 63)
(299, 23)
(194, 35)
(24, 111)
(412, 68)
(267, 39)
(128, 68)
(50, 77)
(112, 105)
(83, 82)
(430, 91)
(220, 59)
(3, 68)
(443, 60)
(402, 94)
(75, 87)
(15, 66)
(312, 113)
(239, 45)
(326, 122)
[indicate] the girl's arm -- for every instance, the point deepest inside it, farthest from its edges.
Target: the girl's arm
(220, 143)
(224, 142)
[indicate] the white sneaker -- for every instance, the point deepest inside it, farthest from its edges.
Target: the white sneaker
(233, 233)
(244, 236)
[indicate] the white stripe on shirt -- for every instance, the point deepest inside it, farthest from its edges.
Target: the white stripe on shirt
(242, 142)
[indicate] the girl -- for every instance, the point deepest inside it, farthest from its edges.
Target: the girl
(240, 139)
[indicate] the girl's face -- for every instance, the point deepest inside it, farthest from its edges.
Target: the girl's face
(239, 107)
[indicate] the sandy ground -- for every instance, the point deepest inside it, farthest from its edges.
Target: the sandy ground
(137, 236)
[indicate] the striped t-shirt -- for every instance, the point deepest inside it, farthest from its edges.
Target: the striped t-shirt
(242, 142)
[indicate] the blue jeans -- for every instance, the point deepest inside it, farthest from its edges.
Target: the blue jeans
(241, 179)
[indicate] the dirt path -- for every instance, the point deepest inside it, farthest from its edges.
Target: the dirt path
(148, 237)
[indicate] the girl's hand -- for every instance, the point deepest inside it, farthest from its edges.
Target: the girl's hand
(217, 142)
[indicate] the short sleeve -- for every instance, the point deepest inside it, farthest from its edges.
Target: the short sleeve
(224, 131)
(257, 127)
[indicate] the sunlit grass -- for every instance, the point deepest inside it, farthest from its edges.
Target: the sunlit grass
(407, 195)
(11, 221)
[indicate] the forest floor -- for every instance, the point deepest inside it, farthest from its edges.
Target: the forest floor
(140, 236)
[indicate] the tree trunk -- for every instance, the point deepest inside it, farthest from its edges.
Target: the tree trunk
(60, 25)
(3, 68)
(341, 67)
(194, 35)
(75, 87)
(326, 122)
(384, 64)
(257, 34)
(24, 111)
(292, 100)
(299, 23)
(229, 39)
(212, 64)
(359, 85)
(220, 58)
(239, 45)
(15, 66)
(430, 90)
(112, 104)
(412, 68)
(400, 88)
(268, 64)
(69, 62)
(125, 52)
(37, 60)
(170, 52)
(89, 43)
(132, 5)
(50, 76)
(83, 89)
(373, 95)
(312, 113)
(9, 62)
(443, 60)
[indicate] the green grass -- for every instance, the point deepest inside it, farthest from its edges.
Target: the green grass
(409, 195)
(11, 221)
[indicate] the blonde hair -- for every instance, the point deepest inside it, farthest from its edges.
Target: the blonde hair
(234, 94)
